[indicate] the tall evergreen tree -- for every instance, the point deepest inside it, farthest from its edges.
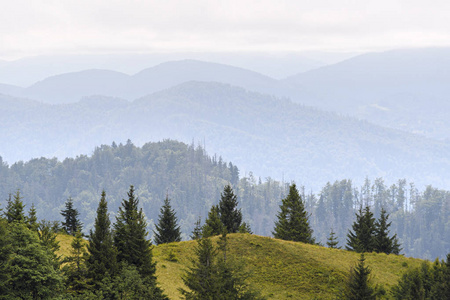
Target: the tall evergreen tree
(293, 223)
(130, 239)
(358, 287)
(15, 209)
(230, 216)
(167, 230)
(102, 260)
(384, 243)
(31, 272)
(71, 222)
(213, 224)
(32, 219)
(75, 268)
(362, 238)
(47, 235)
(201, 277)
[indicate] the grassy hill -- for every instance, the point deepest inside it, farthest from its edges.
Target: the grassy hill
(279, 269)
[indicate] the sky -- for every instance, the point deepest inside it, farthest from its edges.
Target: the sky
(36, 27)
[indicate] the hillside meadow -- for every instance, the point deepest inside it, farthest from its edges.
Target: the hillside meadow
(278, 269)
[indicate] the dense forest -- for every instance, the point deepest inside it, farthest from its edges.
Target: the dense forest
(194, 181)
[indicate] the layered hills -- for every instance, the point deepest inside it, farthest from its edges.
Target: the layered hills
(260, 133)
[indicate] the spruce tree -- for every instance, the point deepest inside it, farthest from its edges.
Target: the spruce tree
(362, 238)
(213, 224)
(71, 222)
(102, 260)
(75, 268)
(197, 232)
(130, 239)
(31, 272)
(202, 277)
(230, 216)
(47, 236)
(384, 243)
(446, 278)
(332, 240)
(32, 219)
(15, 209)
(293, 223)
(167, 230)
(358, 287)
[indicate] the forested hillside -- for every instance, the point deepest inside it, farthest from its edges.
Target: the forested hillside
(269, 136)
(193, 181)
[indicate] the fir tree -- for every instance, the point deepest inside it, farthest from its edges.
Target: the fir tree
(167, 231)
(332, 240)
(31, 272)
(130, 239)
(47, 236)
(75, 269)
(213, 224)
(102, 260)
(15, 209)
(293, 223)
(201, 278)
(362, 238)
(71, 222)
(197, 232)
(213, 277)
(358, 287)
(245, 228)
(230, 216)
(384, 243)
(32, 219)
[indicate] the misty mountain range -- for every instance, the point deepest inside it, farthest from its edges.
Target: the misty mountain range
(246, 117)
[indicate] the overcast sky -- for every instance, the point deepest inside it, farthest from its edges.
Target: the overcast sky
(37, 27)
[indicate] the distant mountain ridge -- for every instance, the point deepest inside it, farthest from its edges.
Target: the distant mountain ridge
(260, 133)
(402, 89)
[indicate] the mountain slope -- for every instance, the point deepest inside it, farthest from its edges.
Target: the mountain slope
(404, 89)
(71, 87)
(268, 136)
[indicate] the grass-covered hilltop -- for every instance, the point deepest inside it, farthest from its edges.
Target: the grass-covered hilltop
(278, 269)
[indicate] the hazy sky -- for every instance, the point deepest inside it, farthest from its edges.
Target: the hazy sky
(36, 27)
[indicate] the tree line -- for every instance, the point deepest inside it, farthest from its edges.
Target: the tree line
(194, 181)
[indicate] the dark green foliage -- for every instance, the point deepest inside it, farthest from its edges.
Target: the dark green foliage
(332, 240)
(47, 235)
(167, 230)
(245, 228)
(230, 216)
(446, 278)
(369, 235)
(130, 240)
(71, 223)
(212, 277)
(213, 224)
(358, 285)
(102, 261)
(384, 243)
(361, 239)
(32, 218)
(197, 232)
(425, 282)
(31, 272)
(201, 277)
(293, 223)
(15, 209)
(75, 268)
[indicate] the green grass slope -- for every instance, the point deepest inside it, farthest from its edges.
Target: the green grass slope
(280, 269)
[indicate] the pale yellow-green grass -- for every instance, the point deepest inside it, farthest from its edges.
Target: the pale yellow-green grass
(278, 269)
